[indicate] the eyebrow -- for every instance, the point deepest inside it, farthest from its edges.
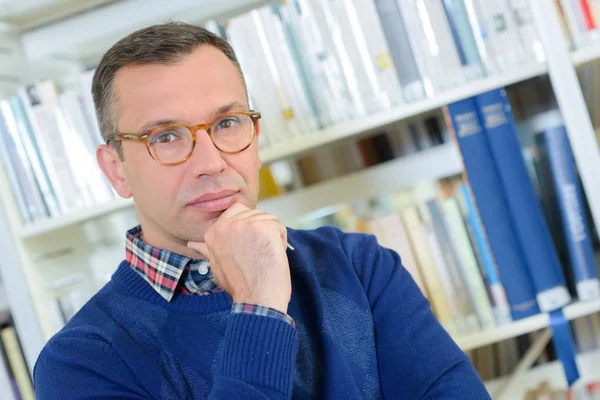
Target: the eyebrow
(233, 106)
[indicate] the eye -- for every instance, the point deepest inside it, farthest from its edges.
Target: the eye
(227, 123)
(165, 137)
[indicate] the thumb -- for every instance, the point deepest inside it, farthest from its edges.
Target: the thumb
(199, 247)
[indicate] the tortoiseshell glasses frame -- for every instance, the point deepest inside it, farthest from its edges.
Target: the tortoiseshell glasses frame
(212, 128)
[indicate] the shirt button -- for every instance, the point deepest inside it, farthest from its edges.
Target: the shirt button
(203, 269)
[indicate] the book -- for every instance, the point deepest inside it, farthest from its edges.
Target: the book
(484, 180)
(437, 296)
(16, 172)
(521, 11)
(395, 29)
(459, 238)
(524, 207)
(8, 385)
(33, 155)
(341, 26)
(371, 41)
(51, 148)
(391, 234)
(462, 33)
(73, 123)
(455, 272)
(17, 362)
(572, 211)
(501, 305)
(509, 50)
(439, 39)
(265, 85)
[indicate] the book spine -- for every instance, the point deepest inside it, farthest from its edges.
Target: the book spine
(33, 154)
(6, 386)
(462, 33)
(397, 36)
(524, 206)
(501, 306)
(446, 43)
(394, 237)
(572, 211)
(454, 275)
(431, 279)
(573, 23)
(484, 180)
(371, 41)
(522, 12)
(10, 168)
(460, 239)
(590, 24)
(74, 125)
(21, 163)
(77, 162)
(50, 147)
(17, 362)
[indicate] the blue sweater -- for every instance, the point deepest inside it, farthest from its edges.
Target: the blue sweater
(363, 330)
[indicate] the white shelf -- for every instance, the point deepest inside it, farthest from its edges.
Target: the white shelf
(435, 163)
(86, 36)
(76, 217)
(523, 326)
(552, 373)
(585, 55)
(350, 129)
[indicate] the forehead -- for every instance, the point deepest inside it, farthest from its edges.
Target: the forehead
(187, 91)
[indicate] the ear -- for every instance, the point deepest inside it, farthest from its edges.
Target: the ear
(257, 128)
(111, 164)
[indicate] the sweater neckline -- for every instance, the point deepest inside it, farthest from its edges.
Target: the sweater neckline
(129, 282)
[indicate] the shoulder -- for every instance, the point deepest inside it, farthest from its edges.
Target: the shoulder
(329, 237)
(329, 251)
(91, 328)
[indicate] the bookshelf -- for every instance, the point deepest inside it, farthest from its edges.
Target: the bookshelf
(585, 55)
(81, 38)
(351, 129)
(551, 372)
(523, 326)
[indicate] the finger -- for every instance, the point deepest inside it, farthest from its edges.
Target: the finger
(233, 210)
(200, 248)
(259, 216)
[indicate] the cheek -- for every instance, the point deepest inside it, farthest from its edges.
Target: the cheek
(247, 166)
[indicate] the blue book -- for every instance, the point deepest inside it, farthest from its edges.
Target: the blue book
(572, 212)
(525, 210)
(484, 180)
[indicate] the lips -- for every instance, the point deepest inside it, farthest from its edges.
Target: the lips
(213, 202)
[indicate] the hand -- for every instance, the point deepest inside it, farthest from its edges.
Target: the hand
(247, 253)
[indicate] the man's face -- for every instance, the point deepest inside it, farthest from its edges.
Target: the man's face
(192, 91)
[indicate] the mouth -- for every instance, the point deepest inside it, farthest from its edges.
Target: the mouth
(214, 202)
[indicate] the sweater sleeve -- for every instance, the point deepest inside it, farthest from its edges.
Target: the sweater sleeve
(417, 359)
(258, 359)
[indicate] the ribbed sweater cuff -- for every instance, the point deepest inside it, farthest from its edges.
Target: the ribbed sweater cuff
(260, 350)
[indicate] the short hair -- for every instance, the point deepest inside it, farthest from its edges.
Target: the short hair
(165, 44)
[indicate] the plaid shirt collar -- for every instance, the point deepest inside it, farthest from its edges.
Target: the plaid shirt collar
(167, 272)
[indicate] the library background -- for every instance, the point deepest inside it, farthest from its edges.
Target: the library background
(462, 133)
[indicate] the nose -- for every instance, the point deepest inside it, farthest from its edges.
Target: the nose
(206, 159)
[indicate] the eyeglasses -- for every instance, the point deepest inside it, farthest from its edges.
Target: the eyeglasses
(173, 144)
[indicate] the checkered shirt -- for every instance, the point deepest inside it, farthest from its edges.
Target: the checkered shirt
(170, 273)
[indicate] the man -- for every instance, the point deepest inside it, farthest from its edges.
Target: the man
(217, 299)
